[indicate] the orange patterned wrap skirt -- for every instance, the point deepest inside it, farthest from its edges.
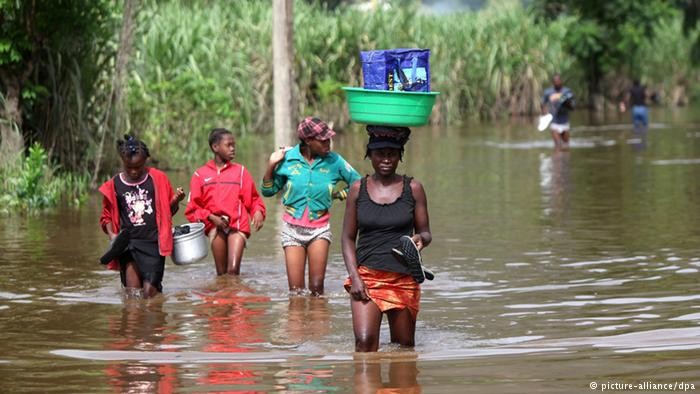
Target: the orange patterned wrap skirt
(389, 290)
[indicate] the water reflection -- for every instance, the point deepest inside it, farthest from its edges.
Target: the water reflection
(141, 326)
(307, 319)
(555, 181)
(597, 243)
(401, 374)
(231, 312)
(639, 138)
(315, 378)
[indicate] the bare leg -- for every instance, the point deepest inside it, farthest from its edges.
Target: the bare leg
(557, 140)
(565, 140)
(149, 290)
(402, 326)
(295, 259)
(132, 276)
(236, 244)
(366, 322)
(318, 259)
(219, 249)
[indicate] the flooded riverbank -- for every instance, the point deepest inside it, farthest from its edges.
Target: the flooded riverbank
(553, 271)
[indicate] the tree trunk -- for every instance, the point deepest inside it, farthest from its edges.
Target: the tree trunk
(283, 77)
(11, 140)
(115, 116)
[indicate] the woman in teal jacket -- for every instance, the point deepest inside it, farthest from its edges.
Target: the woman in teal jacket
(307, 173)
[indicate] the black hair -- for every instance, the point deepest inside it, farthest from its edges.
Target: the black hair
(217, 134)
(132, 146)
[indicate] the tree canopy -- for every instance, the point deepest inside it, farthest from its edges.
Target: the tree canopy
(40, 41)
(607, 33)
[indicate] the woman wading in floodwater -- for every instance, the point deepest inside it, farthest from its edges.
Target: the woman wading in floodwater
(381, 208)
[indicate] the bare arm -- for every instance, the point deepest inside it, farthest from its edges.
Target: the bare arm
(271, 184)
(422, 236)
(178, 196)
(358, 291)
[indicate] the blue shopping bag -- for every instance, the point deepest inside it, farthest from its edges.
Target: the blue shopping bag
(378, 69)
(401, 69)
(412, 71)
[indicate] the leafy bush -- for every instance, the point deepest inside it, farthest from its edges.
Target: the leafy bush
(35, 184)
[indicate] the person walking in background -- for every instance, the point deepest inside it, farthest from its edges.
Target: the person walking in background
(636, 97)
(140, 201)
(223, 196)
(308, 172)
(382, 208)
(557, 100)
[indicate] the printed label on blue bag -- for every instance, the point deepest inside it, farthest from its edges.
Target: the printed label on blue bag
(412, 80)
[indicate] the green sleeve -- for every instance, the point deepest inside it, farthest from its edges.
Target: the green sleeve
(270, 188)
(349, 176)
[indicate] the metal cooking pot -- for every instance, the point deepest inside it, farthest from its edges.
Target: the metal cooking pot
(190, 247)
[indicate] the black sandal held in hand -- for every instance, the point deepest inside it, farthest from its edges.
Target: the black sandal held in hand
(116, 246)
(408, 254)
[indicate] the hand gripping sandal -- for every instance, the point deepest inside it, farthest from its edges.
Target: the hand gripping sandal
(408, 254)
(116, 246)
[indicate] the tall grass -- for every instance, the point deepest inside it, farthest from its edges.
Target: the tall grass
(205, 64)
(197, 67)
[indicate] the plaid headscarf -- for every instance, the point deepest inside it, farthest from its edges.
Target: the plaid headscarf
(314, 128)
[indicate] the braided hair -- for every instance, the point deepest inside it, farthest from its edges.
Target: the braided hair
(216, 135)
(132, 146)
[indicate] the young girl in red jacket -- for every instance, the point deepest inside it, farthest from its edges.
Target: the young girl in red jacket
(141, 201)
(223, 196)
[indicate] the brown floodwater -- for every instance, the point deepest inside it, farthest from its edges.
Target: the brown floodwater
(554, 273)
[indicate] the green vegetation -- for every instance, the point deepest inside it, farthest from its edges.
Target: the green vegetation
(54, 72)
(36, 185)
(607, 35)
(197, 65)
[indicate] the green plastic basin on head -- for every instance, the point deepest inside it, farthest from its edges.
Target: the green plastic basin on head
(385, 107)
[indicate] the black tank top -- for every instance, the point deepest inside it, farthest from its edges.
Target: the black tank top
(381, 225)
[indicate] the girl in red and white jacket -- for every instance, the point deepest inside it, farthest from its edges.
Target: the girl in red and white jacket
(223, 196)
(141, 201)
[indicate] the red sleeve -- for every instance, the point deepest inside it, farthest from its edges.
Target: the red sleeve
(171, 191)
(195, 211)
(251, 199)
(106, 216)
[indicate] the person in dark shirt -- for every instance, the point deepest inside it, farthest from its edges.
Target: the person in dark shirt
(636, 98)
(381, 208)
(558, 101)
